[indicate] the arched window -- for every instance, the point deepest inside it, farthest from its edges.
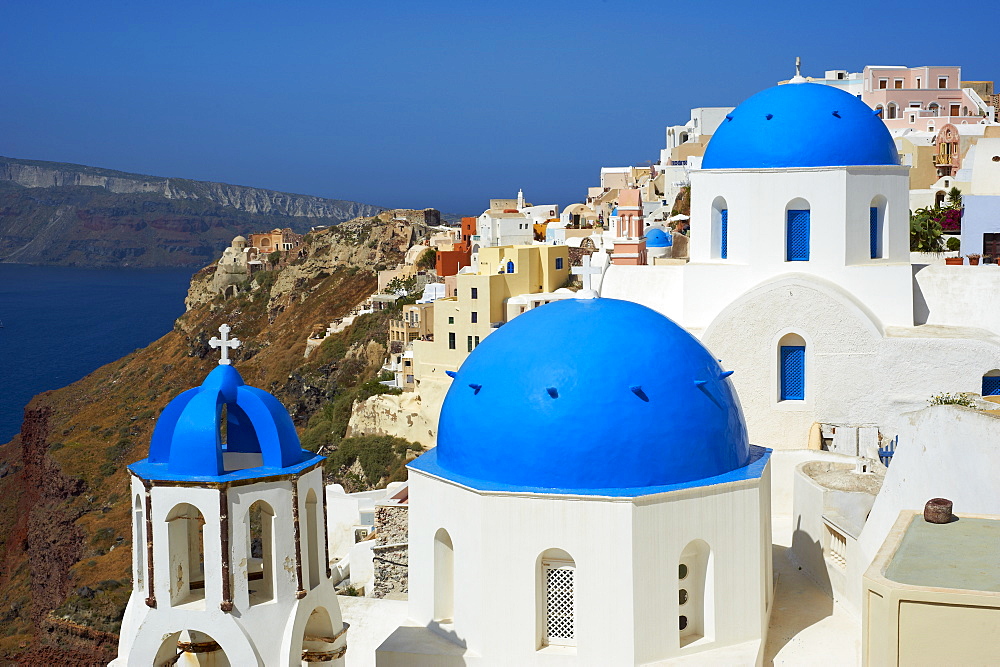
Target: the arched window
(876, 227)
(510, 267)
(312, 538)
(260, 550)
(556, 599)
(880, 110)
(797, 231)
(965, 111)
(934, 108)
(139, 543)
(720, 228)
(792, 368)
(890, 110)
(444, 577)
(695, 593)
(187, 555)
(939, 199)
(991, 383)
(319, 637)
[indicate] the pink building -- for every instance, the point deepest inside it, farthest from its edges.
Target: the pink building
(922, 98)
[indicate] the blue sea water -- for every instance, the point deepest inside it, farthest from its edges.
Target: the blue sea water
(61, 323)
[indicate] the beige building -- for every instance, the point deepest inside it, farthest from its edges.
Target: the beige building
(417, 323)
(478, 304)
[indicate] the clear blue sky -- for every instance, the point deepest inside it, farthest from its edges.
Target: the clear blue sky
(415, 104)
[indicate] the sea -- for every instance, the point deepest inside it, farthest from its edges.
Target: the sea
(57, 324)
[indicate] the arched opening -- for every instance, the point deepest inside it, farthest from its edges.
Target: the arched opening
(312, 538)
(797, 216)
(320, 638)
(555, 584)
(190, 647)
(444, 577)
(890, 110)
(187, 555)
(683, 138)
(510, 266)
(720, 228)
(991, 383)
(139, 544)
(260, 547)
(791, 368)
(939, 198)
(876, 227)
(695, 593)
(880, 110)
(965, 111)
(934, 108)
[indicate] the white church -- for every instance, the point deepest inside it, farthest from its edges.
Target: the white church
(800, 277)
(591, 506)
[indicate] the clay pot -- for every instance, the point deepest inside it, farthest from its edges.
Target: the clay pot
(954, 261)
(938, 510)
(974, 261)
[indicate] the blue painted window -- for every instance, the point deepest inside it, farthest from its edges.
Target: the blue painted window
(991, 385)
(559, 263)
(797, 241)
(724, 233)
(510, 267)
(793, 372)
(873, 231)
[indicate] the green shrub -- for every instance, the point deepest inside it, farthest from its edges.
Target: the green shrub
(953, 244)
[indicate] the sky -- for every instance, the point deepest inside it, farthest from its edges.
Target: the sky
(423, 104)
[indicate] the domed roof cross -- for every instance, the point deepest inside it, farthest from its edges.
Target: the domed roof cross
(226, 343)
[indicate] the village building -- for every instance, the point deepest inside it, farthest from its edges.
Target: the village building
(230, 549)
(276, 239)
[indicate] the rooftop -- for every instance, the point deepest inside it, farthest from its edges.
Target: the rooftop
(960, 555)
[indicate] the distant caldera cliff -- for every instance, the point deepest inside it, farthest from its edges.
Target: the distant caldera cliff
(74, 215)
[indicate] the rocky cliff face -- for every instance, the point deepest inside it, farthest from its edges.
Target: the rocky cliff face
(55, 213)
(65, 534)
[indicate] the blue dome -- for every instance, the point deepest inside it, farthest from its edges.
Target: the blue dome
(187, 443)
(637, 403)
(657, 238)
(800, 125)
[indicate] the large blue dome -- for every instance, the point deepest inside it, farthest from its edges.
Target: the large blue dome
(657, 238)
(585, 395)
(800, 125)
(187, 443)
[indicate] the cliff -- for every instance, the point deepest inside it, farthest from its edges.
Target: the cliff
(56, 213)
(65, 535)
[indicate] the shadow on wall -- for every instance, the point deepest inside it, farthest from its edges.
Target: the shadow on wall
(921, 312)
(799, 602)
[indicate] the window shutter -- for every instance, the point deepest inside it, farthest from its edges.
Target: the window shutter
(873, 231)
(724, 233)
(798, 236)
(793, 372)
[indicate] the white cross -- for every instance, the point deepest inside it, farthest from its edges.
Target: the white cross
(226, 343)
(586, 271)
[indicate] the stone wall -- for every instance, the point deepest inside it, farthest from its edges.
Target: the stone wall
(391, 551)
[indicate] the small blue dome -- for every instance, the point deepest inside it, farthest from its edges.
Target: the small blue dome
(187, 442)
(638, 402)
(800, 125)
(657, 238)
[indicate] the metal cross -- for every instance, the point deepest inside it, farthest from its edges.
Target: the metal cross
(585, 271)
(226, 343)
(798, 66)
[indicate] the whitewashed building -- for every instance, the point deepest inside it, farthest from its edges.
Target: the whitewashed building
(230, 561)
(592, 508)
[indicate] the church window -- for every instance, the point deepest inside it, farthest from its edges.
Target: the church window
(873, 232)
(444, 577)
(510, 267)
(792, 368)
(696, 604)
(555, 586)
(724, 234)
(720, 229)
(139, 543)
(316, 546)
(876, 227)
(797, 235)
(187, 555)
(475, 317)
(260, 552)
(991, 383)
(451, 340)
(559, 263)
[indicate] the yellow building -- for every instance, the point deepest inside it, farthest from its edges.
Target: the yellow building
(478, 307)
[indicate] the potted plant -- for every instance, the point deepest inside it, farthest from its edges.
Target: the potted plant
(974, 259)
(954, 261)
(954, 245)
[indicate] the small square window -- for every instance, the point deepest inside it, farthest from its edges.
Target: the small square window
(898, 84)
(942, 82)
(451, 320)
(883, 84)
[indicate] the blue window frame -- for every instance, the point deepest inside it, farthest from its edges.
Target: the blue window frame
(510, 267)
(797, 236)
(559, 263)
(873, 231)
(793, 372)
(724, 233)
(991, 385)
